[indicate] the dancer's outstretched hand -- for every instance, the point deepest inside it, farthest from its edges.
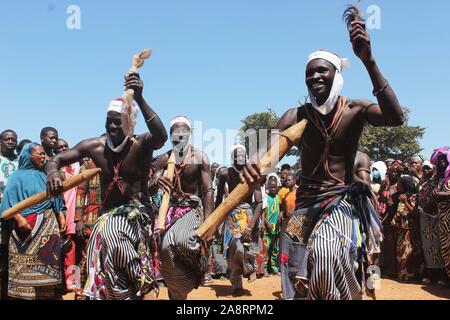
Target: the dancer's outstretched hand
(251, 173)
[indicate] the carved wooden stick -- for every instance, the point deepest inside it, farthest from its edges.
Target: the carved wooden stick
(286, 141)
(166, 196)
(43, 196)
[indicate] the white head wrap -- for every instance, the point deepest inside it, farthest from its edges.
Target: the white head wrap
(180, 119)
(273, 175)
(338, 82)
(236, 147)
(427, 163)
(381, 167)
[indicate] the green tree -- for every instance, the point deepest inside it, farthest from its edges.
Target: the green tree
(382, 143)
(253, 125)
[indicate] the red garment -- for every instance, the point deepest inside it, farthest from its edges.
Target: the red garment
(23, 235)
(69, 264)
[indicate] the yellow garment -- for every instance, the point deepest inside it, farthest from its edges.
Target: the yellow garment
(241, 219)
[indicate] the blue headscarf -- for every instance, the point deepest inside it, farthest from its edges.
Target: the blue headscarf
(26, 182)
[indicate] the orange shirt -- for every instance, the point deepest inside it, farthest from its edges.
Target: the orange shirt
(282, 194)
(290, 201)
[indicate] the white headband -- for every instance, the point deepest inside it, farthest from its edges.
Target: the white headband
(336, 61)
(180, 120)
(115, 105)
(238, 146)
(427, 163)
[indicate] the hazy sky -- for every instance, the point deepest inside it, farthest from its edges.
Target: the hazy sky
(214, 61)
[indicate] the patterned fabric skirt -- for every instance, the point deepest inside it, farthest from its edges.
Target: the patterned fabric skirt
(431, 245)
(409, 255)
(35, 262)
(183, 265)
(444, 234)
(119, 257)
(243, 259)
(323, 268)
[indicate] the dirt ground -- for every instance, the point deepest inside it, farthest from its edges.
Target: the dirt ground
(269, 289)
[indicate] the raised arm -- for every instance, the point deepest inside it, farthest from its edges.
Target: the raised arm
(76, 154)
(206, 182)
(157, 136)
(388, 111)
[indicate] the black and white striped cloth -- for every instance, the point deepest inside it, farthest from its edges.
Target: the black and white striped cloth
(332, 258)
(182, 265)
(113, 256)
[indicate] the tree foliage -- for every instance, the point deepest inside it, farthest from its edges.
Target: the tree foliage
(257, 122)
(382, 143)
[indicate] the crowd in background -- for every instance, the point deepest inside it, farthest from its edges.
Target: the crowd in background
(413, 196)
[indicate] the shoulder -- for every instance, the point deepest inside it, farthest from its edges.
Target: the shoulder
(90, 144)
(199, 155)
(362, 158)
(291, 117)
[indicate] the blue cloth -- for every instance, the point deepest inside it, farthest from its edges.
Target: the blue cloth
(26, 182)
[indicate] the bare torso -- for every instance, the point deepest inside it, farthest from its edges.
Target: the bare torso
(133, 173)
(337, 167)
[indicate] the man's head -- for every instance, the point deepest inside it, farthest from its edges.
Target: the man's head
(290, 181)
(395, 171)
(272, 186)
(324, 80)
(214, 167)
(49, 136)
(415, 163)
(180, 132)
(319, 79)
(61, 146)
(38, 156)
(285, 170)
(114, 122)
(22, 144)
(239, 156)
(8, 143)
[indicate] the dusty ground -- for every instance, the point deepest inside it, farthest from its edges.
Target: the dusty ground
(269, 289)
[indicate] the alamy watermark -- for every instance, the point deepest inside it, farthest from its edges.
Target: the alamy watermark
(73, 21)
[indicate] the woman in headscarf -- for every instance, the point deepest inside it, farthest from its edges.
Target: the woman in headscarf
(429, 226)
(35, 242)
(409, 258)
(441, 160)
(378, 175)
